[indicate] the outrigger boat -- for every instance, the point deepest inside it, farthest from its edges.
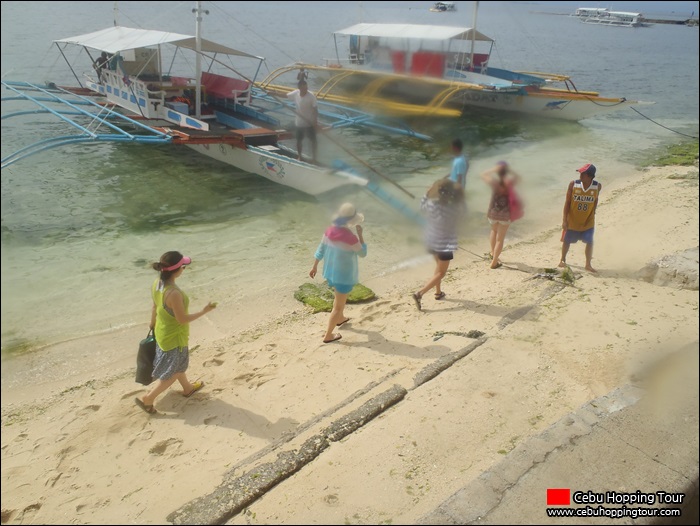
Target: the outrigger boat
(616, 19)
(409, 69)
(442, 7)
(223, 117)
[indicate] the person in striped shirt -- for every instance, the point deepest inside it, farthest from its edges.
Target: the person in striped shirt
(443, 206)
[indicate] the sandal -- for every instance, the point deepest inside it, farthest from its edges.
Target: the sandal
(148, 408)
(417, 298)
(195, 387)
(335, 338)
(440, 296)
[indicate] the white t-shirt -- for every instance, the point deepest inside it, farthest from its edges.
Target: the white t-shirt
(306, 108)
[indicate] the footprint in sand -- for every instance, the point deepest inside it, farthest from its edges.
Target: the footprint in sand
(131, 394)
(89, 409)
(29, 512)
(64, 453)
(214, 362)
(163, 445)
(7, 515)
(488, 394)
(51, 481)
(244, 377)
(262, 380)
(332, 499)
(376, 305)
(209, 420)
(145, 436)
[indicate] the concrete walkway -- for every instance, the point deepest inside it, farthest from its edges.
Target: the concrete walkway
(638, 438)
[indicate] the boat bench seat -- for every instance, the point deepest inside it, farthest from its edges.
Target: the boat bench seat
(257, 136)
(226, 87)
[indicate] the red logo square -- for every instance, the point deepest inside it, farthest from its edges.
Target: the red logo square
(558, 496)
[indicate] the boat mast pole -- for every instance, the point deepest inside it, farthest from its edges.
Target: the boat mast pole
(198, 59)
(471, 57)
(116, 12)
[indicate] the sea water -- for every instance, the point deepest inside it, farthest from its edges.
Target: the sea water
(81, 224)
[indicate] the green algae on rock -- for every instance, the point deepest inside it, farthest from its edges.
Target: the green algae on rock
(320, 297)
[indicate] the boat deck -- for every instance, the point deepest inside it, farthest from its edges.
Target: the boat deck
(219, 133)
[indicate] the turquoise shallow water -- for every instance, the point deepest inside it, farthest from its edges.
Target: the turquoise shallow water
(81, 224)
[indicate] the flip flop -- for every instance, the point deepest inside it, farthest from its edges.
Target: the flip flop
(417, 299)
(148, 408)
(195, 387)
(498, 265)
(343, 322)
(334, 339)
(440, 296)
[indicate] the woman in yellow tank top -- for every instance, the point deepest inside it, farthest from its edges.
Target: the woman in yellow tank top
(170, 318)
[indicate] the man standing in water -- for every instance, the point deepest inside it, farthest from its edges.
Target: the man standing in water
(579, 213)
(460, 165)
(306, 120)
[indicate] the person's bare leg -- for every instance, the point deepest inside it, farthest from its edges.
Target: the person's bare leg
(187, 386)
(589, 257)
(158, 387)
(498, 247)
(314, 148)
(564, 251)
(436, 280)
(492, 238)
(336, 315)
(438, 290)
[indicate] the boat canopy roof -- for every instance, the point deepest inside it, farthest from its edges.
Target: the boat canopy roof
(415, 31)
(623, 13)
(116, 39)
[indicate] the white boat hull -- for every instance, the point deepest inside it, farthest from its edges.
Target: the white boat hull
(542, 105)
(471, 89)
(275, 167)
(302, 176)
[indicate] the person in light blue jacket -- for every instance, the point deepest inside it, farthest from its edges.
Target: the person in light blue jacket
(339, 249)
(460, 165)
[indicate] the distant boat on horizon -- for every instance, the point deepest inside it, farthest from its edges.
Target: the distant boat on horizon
(441, 7)
(604, 17)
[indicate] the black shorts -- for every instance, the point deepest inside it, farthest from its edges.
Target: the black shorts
(307, 131)
(443, 256)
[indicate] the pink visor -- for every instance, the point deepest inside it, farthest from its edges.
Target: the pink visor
(184, 261)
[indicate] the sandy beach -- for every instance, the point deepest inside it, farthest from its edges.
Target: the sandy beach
(77, 450)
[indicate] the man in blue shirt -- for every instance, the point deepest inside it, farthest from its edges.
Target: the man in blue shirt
(460, 164)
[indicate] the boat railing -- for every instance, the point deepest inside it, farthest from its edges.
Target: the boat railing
(338, 63)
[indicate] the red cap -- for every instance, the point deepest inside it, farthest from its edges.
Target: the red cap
(587, 168)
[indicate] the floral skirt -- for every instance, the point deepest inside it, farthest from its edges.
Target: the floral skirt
(169, 363)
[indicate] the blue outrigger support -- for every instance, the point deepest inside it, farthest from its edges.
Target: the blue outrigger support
(99, 116)
(384, 196)
(342, 116)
